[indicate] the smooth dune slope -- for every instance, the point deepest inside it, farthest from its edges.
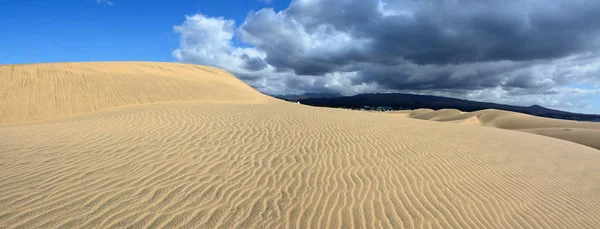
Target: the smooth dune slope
(281, 165)
(585, 133)
(45, 91)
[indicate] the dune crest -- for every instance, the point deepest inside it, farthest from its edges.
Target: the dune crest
(49, 91)
(234, 159)
(585, 133)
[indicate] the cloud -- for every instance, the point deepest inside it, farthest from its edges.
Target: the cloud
(209, 41)
(449, 32)
(106, 2)
(503, 51)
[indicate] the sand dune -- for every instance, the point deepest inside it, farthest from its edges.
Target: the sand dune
(248, 161)
(585, 133)
(46, 91)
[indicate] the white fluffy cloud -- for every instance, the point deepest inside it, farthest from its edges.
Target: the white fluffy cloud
(209, 41)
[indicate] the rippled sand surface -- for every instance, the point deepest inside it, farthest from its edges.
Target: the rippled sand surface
(161, 145)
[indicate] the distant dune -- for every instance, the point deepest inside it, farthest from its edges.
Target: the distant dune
(165, 145)
(585, 133)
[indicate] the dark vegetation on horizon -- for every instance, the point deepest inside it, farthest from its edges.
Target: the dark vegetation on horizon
(401, 101)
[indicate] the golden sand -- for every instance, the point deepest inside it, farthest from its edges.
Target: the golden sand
(585, 133)
(164, 145)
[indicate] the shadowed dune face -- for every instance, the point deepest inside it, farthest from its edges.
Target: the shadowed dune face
(283, 165)
(585, 133)
(47, 91)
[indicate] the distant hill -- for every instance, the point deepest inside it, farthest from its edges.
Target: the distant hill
(401, 101)
(296, 97)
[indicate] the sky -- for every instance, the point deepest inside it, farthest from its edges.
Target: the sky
(520, 52)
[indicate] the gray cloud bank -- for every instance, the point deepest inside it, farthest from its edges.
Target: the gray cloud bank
(518, 52)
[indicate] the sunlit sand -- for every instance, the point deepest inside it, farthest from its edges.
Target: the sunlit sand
(165, 145)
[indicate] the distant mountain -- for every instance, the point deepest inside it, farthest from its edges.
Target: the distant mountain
(401, 101)
(295, 97)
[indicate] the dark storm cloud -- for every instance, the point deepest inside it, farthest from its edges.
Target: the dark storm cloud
(490, 31)
(393, 33)
(254, 63)
(472, 76)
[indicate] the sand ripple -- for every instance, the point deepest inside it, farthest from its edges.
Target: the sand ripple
(288, 166)
(162, 145)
